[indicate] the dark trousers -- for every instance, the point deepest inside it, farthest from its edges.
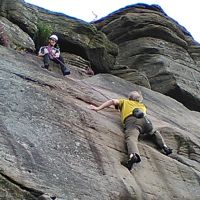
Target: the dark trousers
(134, 127)
(59, 61)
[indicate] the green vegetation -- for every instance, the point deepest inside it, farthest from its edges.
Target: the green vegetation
(42, 34)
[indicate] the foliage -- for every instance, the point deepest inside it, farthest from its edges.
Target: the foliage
(41, 35)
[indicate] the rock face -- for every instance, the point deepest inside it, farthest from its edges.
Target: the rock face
(52, 143)
(14, 36)
(152, 43)
(154, 50)
(52, 146)
(75, 36)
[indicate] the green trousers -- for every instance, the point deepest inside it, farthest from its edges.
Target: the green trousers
(133, 127)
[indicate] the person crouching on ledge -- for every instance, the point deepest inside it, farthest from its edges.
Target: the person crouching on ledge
(50, 52)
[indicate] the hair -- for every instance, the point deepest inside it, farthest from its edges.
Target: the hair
(135, 95)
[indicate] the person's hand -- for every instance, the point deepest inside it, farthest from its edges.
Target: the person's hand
(53, 55)
(56, 55)
(95, 108)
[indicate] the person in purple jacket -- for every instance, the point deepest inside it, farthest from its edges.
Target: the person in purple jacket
(50, 52)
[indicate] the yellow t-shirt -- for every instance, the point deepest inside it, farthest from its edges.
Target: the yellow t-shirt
(127, 106)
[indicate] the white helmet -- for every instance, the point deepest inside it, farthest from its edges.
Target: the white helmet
(55, 37)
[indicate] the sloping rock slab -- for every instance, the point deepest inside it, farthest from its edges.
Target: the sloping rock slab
(51, 142)
(155, 44)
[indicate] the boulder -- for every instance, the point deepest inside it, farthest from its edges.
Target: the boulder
(53, 144)
(12, 36)
(153, 43)
(75, 36)
(132, 75)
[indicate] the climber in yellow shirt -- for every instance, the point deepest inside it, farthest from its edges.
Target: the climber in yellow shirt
(135, 121)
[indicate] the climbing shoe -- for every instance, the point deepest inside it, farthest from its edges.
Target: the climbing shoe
(167, 150)
(129, 163)
(46, 66)
(66, 72)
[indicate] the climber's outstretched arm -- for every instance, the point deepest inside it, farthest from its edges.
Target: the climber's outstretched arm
(106, 104)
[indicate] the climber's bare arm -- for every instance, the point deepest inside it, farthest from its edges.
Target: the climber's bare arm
(106, 104)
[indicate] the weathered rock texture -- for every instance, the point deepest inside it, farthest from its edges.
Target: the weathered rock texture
(75, 36)
(154, 50)
(52, 143)
(14, 36)
(152, 43)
